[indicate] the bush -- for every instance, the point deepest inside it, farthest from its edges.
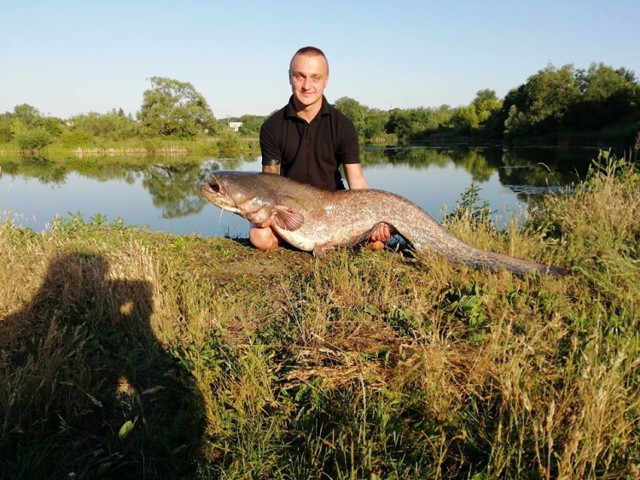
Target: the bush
(33, 139)
(228, 145)
(76, 138)
(5, 129)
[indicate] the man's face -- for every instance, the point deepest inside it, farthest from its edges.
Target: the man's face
(308, 76)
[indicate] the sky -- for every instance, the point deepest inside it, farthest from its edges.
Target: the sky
(71, 57)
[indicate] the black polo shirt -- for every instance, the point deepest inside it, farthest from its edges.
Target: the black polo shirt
(310, 152)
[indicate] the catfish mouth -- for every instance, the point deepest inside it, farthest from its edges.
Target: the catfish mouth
(214, 188)
(214, 191)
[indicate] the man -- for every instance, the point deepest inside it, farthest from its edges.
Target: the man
(308, 140)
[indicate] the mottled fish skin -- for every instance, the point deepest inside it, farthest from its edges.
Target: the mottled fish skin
(316, 220)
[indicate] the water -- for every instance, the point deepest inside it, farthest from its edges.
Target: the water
(165, 196)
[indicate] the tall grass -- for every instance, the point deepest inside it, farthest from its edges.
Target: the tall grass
(127, 354)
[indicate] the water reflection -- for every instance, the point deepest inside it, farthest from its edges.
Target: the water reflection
(517, 166)
(174, 188)
(164, 193)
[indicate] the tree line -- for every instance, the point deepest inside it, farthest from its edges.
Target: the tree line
(554, 105)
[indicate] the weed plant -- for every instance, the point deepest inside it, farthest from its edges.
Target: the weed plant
(128, 354)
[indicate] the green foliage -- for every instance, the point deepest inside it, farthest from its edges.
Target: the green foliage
(486, 104)
(251, 125)
(228, 144)
(5, 128)
(76, 224)
(17, 127)
(567, 99)
(467, 303)
(565, 105)
(540, 104)
(111, 126)
(30, 130)
(409, 124)
(607, 95)
(465, 119)
(27, 114)
(374, 123)
(354, 111)
(471, 208)
(76, 138)
(30, 139)
(551, 102)
(601, 82)
(174, 108)
(369, 122)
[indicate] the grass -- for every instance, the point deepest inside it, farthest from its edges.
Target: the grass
(129, 354)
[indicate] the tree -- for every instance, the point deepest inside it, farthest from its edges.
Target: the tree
(33, 139)
(374, 123)
(111, 126)
(250, 125)
(516, 122)
(540, 104)
(601, 82)
(407, 124)
(29, 128)
(465, 119)
(27, 114)
(5, 128)
(354, 111)
(174, 108)
(607, 96)
(486, 104)
(229, 144)
(551, 92)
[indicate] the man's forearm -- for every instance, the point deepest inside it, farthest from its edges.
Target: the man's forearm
(355, 176)
(271, 169)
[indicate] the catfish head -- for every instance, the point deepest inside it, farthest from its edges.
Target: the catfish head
(254, 196)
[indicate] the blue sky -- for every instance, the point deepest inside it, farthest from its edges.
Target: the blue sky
(70, 57)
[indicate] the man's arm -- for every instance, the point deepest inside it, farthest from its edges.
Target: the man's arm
(271, 169)
(270, 148)
(355, 176)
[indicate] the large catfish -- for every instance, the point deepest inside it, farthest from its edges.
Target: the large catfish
(318, 220)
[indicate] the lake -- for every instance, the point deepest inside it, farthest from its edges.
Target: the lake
(163, 195)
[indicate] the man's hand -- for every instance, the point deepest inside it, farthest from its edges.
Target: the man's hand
(355, 178)
(379, 236)
(381, 233)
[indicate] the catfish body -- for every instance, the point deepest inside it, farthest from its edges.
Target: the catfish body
(318, 220)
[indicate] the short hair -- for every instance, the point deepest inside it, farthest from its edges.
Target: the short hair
(311, 52)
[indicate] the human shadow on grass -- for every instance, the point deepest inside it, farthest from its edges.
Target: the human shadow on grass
(86, 389)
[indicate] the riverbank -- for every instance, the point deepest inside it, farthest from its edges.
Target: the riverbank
(131, 354)
(625, 141)
(224, 146)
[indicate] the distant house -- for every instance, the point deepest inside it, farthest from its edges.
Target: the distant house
(234, 125)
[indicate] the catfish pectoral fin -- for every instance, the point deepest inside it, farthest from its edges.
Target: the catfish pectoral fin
(287, 218)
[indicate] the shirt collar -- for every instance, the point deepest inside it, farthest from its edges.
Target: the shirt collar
(291, 109)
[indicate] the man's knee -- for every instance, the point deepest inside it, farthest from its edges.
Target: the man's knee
(376, 245)
(263, 238)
